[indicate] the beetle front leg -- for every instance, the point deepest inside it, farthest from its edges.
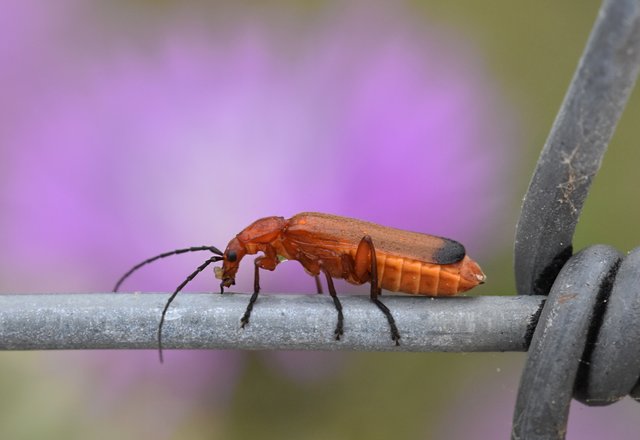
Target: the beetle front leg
(264, 263)
(365, 251)
(256, 289)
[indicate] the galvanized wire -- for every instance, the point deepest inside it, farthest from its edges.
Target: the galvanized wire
(279, 322)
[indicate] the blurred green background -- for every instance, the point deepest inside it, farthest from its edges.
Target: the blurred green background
(530, 51)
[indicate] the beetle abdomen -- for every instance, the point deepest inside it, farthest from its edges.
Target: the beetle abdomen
(415, 277)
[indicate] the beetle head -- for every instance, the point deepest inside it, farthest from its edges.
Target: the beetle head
(231, 261)
(251, 240)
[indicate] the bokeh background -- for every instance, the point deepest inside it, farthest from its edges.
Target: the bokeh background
(132, 128)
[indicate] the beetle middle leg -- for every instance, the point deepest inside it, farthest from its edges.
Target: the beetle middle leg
(332, 291)
(366, 250)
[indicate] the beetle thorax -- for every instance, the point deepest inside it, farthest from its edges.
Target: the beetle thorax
(254, 248)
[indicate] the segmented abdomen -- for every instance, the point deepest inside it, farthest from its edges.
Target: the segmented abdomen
(399, 274)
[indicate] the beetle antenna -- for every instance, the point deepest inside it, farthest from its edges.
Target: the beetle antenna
(173, 295)
(213, 249)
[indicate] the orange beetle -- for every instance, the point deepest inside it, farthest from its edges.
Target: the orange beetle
(359, 252)
(341, 247)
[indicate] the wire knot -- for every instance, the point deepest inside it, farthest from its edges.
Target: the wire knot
(586, 342)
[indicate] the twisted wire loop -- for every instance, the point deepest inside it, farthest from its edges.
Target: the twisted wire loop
(558, 343)
(611, 365)
(585, 344)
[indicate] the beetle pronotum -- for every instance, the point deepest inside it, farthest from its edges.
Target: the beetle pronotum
(341, 247)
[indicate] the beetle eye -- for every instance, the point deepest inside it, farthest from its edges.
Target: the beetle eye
(232, 256)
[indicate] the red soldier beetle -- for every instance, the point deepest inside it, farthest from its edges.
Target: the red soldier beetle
(341, 247)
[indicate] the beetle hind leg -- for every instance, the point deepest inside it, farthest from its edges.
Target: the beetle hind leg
(395, 334)
(365, 251)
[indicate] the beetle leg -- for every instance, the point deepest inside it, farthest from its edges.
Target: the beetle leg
(265, 262)
(332, 291)
(318, 284)
(367, 250)
(256, 289)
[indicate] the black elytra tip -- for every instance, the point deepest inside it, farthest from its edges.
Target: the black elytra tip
(450, 253)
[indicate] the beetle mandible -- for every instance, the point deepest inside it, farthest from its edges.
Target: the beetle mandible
(341, 247)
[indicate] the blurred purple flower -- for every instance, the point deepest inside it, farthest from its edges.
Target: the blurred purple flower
(123, 149)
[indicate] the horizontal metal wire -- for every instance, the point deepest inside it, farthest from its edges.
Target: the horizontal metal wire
(278, 322)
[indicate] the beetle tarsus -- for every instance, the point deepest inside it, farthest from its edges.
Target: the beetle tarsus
(395, 334)
(340, 325)
(247, 313)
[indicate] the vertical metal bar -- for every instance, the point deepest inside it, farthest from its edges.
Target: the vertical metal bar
(578, 140)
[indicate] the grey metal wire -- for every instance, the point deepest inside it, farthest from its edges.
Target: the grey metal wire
(279, 322)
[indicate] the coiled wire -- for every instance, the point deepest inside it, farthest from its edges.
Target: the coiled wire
(586, 343)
